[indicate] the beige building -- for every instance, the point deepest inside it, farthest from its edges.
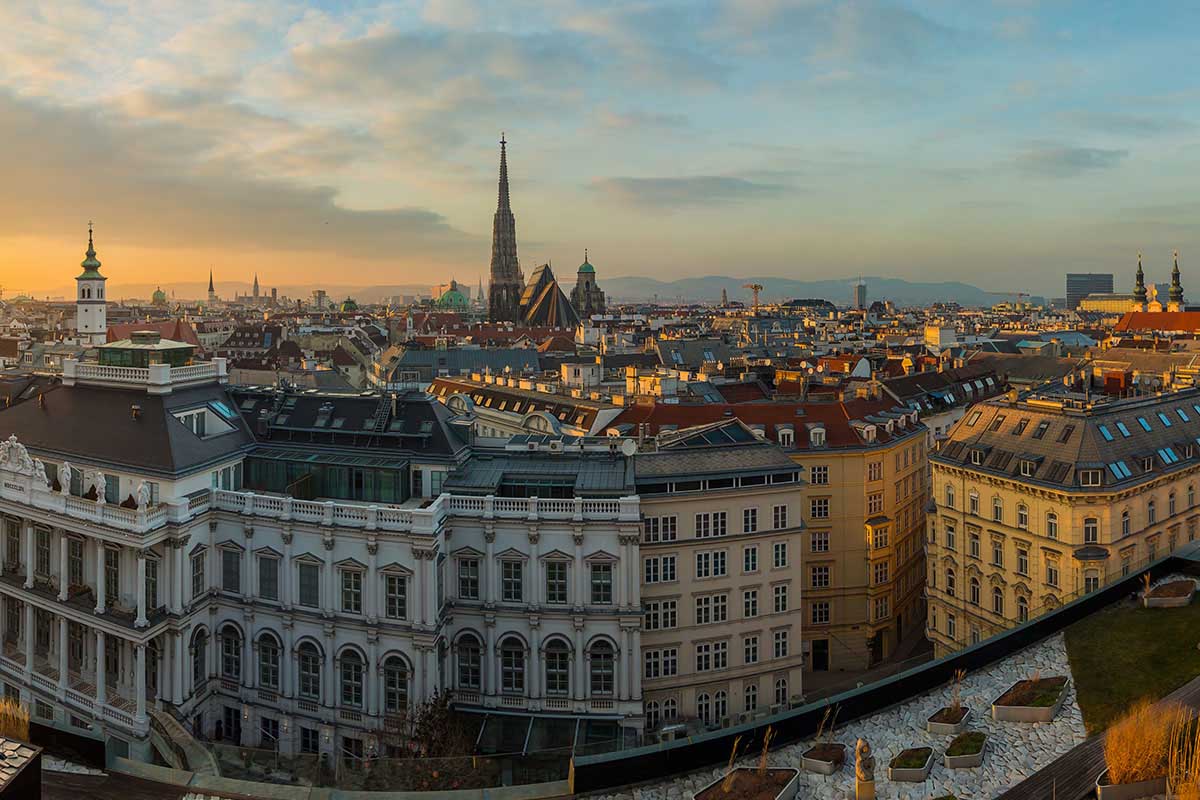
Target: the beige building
(721, 576)
(1043, 496)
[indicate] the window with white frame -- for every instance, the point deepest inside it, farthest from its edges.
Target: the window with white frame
(818, 475)
(602, 584)
(660, 529)
(352, 591)
(818, 508)
(820, 612)
(395, 596)
(781, 644)
(819, 541)
(660, 614)
(231, 570)
(749, 649)
(819, 577)
(779, 517)
(659, 569)
(781, 598)
(750, 558)
(309, 580)
(198, 587)
(749, 603)
(712, 609)
(511, 580)
(268, 577)
(556, 582)
(749, 520)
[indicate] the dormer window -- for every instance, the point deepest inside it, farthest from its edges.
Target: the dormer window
(1028, 468)
(1091, 477)
(816, 437)
(977, 457)
(786, 438)
(869, 433)
(1148, 464)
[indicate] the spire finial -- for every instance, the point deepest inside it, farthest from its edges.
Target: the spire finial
(585, 255)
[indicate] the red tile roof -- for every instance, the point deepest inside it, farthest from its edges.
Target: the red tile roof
(178, 330)
(1159, 321)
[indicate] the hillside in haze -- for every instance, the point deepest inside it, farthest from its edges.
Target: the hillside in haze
(838, 291)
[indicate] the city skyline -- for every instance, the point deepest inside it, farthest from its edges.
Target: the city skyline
(1003, 146)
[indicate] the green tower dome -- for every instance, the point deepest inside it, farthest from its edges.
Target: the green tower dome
(349, 305)
(586, 266)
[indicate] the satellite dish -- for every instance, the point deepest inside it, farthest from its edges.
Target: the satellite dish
(629, 447)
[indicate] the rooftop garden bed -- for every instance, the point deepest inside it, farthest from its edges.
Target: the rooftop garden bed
(1123, 654)
(966, 750)
(912, 764)
(748, 783)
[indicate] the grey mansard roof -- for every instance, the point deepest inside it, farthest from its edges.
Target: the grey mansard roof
(97, 425)
(594, 474)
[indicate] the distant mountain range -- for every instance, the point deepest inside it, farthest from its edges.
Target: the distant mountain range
(632, 288)
(838, 292)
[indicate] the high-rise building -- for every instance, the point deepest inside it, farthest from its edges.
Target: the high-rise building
(860, 294)
(91, 309)
(504, 297)
(1081, 284)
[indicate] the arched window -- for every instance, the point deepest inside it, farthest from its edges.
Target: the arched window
(670, 709)
(975, 590)
(997, 510)
(1171, 504)
(704, 707)
(1022, 516)
(653, 715)
(720, 705)
(949, 495)
(395, 685)
(750, 698)
(1022, 610)
(1125, 523)
(268, 662)
(470, 662)
(973, 502)
(558, 668)
(310, 671)
(352, 679)
(603, 668)
(231, 654)
(512, 666)
(199, 659)
(950, 581)
(781, 692)
(1052, 525)
(1151, 513)
(998, 600)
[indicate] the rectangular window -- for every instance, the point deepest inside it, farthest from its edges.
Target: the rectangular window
(659, 569)
(711, 609)
(1145, 425)
(660, 529)
(875, 502)
(556, 582)
(112, 575)
(198, 586)
(309, 579)
(875, 471)
(749, 520)
(511, 574)
(468, 578)
(781, 599)
(881, 608)
(750, 558)
(660, 615)
(997, 554)
(714, 524)
(820, 577)
(75, 562)
(1052, 573)
(42, 562)
(1040, 430)
(881, 572)
(820, 612)
(750, 650)
(779, 555)
(268, 578)
(779, 517)
(1104, 431)
(395, 596)
(819, 543)
(880, 538)
(781, 644)
(231, 571)
(749, 603)
(819, 508)
(819, 475)
(973, 545)
(352, 591)
(602, 584)
(151, 583)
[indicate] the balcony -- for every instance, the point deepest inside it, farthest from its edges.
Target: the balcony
(155, 379)
(80, 692)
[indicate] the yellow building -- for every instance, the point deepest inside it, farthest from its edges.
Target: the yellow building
(1044, 496)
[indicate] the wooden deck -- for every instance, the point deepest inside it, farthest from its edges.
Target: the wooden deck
(1074, 775)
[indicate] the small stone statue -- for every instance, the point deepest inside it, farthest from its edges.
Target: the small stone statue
(64, 477)
(864, 771)
(39, 474)
(143, 496)
(101, 484)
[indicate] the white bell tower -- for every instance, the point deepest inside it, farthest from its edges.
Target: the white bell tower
(91, 307)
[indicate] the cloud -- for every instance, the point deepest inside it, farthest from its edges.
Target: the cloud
(1118, 123)
(696, 190)
(1064, 161)
(153, 182)
(640, 120)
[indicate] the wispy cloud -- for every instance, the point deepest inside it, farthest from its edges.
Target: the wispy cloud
(1065, 161)
(695, 190)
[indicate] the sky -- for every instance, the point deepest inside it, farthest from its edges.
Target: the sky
(997, 142)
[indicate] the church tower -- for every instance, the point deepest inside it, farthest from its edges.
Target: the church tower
(256, 286)
(1139, 288)
(91, 309)
(586, 296)
(212, 292)
(504, 294)
(1175, 295)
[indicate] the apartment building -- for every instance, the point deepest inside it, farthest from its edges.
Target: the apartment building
(864, 462)
(273, 568)
(721, 576)
(1044, 495)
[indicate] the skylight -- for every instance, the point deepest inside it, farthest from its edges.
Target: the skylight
(1108, 437)
(1124, 431)
(1145, 425)
(1119, 470)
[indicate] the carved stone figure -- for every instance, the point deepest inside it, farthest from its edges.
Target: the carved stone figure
(101, 484)
(143, 496)
(64, 477)
(39, 474)
(864, 762)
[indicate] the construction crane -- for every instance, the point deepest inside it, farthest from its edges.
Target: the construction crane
(756, 288)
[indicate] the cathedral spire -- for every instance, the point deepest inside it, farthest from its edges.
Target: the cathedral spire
(502, 200)
(507, 283)
(1139, 286)
(210, 282)
(1175, 295)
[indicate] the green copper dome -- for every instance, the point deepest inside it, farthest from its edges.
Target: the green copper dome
(91, 264)
(349, 305)
(585, 266)
(159, 298)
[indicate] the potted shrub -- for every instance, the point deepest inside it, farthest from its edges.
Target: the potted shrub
(826, 756)
(1035, 699)
(1172, 594)
(753, 783)
(966, 750)
(912, 764)
(951, 720)
(1137, 749)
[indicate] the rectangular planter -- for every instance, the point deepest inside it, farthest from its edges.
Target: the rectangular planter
(1031, 713)
(968, 761)
(947, 728)
(1129, 791)
(1169, 602)
(788, 792)
(913, 774)
(824, 767)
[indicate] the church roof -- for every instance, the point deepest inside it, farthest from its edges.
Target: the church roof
(91, 264)
(586, 265)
